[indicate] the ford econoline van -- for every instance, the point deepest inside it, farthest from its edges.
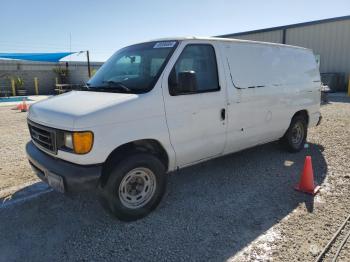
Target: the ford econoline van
(162, 105)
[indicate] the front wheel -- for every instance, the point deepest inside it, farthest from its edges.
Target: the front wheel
(134, 187)
(295, 137)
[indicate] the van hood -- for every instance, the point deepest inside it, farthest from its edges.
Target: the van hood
(62, 111)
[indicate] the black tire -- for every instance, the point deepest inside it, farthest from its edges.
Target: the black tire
(289, 140)
(111, 194)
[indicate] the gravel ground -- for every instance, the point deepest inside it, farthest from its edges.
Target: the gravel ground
(235, 208)
(345, 251)
(14, 167)
(303, 234)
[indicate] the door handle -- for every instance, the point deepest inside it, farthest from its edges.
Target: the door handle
(223, 114)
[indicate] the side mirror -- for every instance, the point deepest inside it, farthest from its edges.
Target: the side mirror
(187, 83)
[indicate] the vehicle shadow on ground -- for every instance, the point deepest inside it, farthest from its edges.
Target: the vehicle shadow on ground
(210, 212)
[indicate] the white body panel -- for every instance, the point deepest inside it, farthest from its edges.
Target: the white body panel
(267, 85)
(261, 87)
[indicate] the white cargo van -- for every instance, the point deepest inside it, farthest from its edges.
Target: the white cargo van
(161, 105)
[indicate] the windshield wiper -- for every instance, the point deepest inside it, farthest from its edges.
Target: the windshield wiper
(117, 85)
(109, 88)
(113, 86)
(86, 86)
(113, 89)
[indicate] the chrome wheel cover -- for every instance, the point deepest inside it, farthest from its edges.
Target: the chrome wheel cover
(137, 188)
(297, 133)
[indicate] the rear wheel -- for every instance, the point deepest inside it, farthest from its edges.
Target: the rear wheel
(295, 137)
(134, 187)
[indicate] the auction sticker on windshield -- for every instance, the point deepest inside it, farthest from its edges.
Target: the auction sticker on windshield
(164, 44)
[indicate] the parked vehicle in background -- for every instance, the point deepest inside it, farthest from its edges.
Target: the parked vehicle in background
(158, 106)
(324, 93)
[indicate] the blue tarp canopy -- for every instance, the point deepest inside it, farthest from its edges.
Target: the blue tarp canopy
(42, 57)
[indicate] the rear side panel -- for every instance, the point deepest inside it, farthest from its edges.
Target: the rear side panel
(267, 84)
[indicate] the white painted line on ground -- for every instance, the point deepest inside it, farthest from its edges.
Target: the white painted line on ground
(263, 244)
(12, 189)
(23, 193)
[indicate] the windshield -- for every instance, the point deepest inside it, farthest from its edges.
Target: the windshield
(133, 69)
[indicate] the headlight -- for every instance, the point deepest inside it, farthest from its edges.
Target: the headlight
(68, 140)
(79, 142)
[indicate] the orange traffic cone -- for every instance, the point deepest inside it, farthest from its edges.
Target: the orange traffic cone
(306, 183)
(18, 107)
(22, 106)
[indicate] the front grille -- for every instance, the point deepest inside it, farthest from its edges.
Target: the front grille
(44, 137)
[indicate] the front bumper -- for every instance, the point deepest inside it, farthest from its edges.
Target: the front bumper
(62, 175)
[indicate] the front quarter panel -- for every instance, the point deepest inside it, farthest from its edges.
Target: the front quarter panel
(141, 118)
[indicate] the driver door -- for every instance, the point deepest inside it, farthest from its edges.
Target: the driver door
(195, 103)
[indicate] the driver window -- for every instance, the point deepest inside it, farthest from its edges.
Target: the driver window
(201, 61)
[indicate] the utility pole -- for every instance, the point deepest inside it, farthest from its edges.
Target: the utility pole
(88, 63)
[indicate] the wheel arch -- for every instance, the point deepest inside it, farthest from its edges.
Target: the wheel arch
(151, 146)
(303, 113)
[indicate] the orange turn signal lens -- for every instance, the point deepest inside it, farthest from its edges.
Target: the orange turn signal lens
(82, 142)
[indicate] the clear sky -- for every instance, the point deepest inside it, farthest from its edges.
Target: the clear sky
(107, 25)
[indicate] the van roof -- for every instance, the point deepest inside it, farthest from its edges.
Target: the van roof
(219, 39)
